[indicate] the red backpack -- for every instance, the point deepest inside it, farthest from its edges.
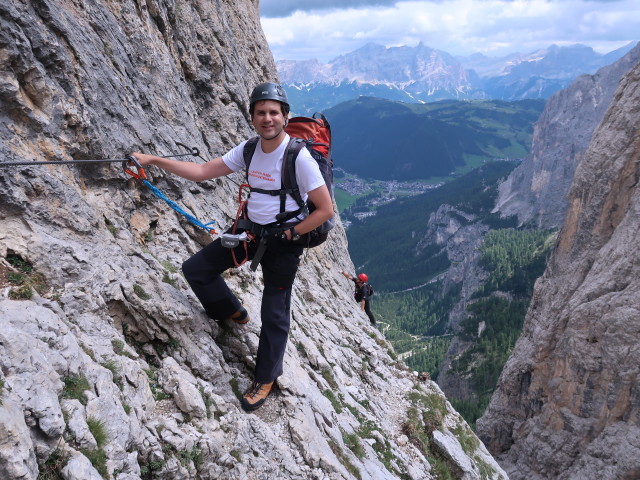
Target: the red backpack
(314, 133)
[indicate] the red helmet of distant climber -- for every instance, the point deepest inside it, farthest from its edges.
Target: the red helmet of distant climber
(363, 277)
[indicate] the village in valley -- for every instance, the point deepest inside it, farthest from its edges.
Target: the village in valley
(366, 195)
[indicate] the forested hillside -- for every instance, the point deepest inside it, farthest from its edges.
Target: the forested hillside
(385, 245)
(418, 293)
(385, 140)
(513, 259)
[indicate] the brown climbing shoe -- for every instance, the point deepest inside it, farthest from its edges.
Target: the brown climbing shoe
(255, 396)
(241, 316)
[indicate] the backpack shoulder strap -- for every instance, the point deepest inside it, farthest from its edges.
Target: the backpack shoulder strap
(289, 181)
(248, 151)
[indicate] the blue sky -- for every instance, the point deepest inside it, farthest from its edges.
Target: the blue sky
(325, 29)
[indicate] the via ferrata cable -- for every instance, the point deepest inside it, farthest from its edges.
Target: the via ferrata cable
(128, 164)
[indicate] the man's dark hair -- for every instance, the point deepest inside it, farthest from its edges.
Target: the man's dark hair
(283, 106)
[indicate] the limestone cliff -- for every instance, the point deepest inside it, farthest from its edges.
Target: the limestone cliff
(536, 190)
(567, 404)
(110, 368)
(461, 234)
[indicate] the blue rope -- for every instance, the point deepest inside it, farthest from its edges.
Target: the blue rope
(177, 208)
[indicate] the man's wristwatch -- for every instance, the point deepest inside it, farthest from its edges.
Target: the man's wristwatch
(294, 235)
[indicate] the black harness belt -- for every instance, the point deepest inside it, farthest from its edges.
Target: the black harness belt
(262, 232)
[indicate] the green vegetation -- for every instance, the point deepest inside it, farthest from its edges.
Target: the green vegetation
(118, 346)
(344, 459)
(111, 227)
(24, 279)
(98, 430)
(74, 388)
(514, 259)
(166, 278)
(468, 441)
(170, 267)
(428, 356)
(416, 318)
(343, 199)
(98, 459)
(382, 447)
(140, 292)
(194, 456)
(352, 441)
(387, 140)
(416, 321)
(399, 226)
(424, 417)
(114, 368)
(168, 275)
(414, 304)
(419, 311)
(158, 393)
(235, 387)
(335, 403)
(51, 468)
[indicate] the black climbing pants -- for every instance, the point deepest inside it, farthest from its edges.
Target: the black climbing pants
(279, 265)
(367, 310)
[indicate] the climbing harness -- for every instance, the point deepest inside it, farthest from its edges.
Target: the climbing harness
(132, 167)
(250, 232)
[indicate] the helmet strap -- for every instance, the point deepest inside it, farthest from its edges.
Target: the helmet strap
(274, 137)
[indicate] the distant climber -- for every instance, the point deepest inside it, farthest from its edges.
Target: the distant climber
(272, 243)
(362, 293)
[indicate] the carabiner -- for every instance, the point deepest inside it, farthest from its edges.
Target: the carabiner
(139, 173)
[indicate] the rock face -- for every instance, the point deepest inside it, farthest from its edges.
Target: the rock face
(109, 366)
(461, 235)
(536, 191)
(568, 403)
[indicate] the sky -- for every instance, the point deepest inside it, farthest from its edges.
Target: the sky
(325, 29)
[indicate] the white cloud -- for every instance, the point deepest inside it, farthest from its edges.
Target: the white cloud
(282, 8)
(460, 27)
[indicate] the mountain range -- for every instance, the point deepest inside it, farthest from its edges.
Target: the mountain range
(423, 74)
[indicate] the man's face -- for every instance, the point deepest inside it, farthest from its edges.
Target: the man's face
(268, 119)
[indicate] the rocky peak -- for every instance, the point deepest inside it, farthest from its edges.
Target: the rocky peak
(536, 191)
(567, 402)
(109, 367)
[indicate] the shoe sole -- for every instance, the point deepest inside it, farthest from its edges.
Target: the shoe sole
(247, 407)
(243, 318)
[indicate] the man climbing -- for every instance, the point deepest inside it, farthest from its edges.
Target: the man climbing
(362, 294)
(269, 110)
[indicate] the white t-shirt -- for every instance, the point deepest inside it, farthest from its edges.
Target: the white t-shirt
(265, 172)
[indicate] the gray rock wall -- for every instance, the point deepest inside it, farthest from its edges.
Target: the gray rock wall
(462, 241)
(109, 366)
(567, 404)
